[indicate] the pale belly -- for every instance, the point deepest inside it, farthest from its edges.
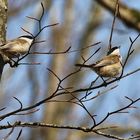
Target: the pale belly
(109, 71)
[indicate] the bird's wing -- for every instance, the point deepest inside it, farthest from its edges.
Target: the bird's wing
(11, 46)
(10, 50)
(8, 45)
(107, 60)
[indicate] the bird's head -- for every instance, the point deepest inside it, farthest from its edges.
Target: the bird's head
(114, 51)
(28, 38)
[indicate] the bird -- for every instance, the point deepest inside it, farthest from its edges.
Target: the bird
(16, 47)
(109, 66)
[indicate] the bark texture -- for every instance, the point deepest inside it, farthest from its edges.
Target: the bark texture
(3, 21)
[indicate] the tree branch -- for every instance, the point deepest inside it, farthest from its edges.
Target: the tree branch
(129, 16)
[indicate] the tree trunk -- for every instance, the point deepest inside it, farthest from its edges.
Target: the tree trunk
(3, 21)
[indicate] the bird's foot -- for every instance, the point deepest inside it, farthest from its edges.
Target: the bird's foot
(14, 64)
(105, 83)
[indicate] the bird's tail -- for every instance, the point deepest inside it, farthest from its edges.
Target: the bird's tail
(83, 65)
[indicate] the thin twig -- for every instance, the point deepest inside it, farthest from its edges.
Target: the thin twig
(68, 50)
(20, 132)
(113, 24)
(9, 134)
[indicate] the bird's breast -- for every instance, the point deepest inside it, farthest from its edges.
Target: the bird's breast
(109, 70)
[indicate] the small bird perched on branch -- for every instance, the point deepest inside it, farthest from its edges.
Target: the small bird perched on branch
(109, 66)
(16, 47)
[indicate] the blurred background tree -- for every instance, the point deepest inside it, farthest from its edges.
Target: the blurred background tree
(81, 23)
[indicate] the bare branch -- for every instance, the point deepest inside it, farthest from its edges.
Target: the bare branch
(9, 134)
(113, 24)
(32, 63)
(20, 132)
(68, 50)
(29, 112)
(43, 125)
(126, 14)
(2, 108)
(27, 32)
(33, 18)
(116, 111)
